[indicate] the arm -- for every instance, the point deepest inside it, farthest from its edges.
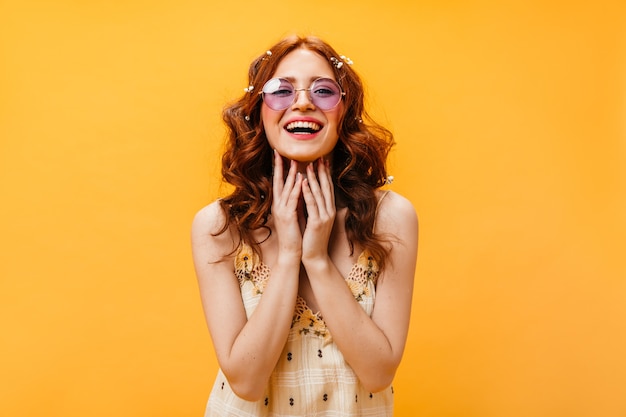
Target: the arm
(247, 349)
(373, 346)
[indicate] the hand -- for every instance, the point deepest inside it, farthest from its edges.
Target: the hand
(286, 194)
(319, 196)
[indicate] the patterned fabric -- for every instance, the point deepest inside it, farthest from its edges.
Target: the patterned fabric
(311, 377)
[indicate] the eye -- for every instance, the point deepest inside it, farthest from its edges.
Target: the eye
(325, 88)
(323, 91)
(282, 92)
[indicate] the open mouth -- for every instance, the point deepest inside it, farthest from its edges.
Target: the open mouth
(303, 128)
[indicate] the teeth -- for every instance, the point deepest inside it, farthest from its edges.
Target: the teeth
(303, 125)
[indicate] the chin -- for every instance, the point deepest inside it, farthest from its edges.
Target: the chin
(299, 157)
(301, 154)
(307, 158)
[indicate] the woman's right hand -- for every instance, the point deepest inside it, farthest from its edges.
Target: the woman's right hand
(286, 196)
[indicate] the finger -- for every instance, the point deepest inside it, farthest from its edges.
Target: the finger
(326, 184)
(278, 179)
(323, 178)
(289, 182)
(292, 174)
(301, 220)
(314, 185)
(294, 192)
(309, 199)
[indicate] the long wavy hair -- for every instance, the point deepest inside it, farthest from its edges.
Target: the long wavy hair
(358, 159)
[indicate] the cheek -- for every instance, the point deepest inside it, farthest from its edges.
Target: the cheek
(265, 116)
(334, 119)
(270, 120)
(270, 116)
(265, 111)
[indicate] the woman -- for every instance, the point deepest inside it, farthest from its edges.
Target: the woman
(306, 268)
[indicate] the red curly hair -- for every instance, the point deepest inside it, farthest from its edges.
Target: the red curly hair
(358, 159)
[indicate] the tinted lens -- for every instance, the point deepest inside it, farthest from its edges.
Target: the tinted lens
(325, 93)
(279, 93)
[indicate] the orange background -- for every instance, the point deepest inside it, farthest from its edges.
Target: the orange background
(510, 123)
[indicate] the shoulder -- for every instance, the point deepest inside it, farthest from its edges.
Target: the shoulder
(209, 219)
(395, 214)
(391, 203)
(207, 229)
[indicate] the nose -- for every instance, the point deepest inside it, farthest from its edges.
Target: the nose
(302, 100)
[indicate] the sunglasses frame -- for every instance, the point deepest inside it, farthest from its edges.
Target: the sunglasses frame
(312, 99)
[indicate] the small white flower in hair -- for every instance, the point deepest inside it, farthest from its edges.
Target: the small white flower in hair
(338, 63)
(249, 89)
(346, 59)
(268, 55)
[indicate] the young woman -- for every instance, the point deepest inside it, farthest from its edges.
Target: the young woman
(306, 269)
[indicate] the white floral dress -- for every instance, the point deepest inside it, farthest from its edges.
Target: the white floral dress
(311, 377)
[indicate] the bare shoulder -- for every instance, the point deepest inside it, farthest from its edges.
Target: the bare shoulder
(396, 222)
(209, 219)
(396, 215)
(206, 227)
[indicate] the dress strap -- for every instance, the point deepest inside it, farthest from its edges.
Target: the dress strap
(382, 197)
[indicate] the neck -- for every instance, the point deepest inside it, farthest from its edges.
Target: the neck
(301, 165)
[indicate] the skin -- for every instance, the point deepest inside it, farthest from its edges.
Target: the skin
(307, 256)
(302, 67)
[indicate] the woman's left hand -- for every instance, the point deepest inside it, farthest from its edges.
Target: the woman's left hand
(319, 196)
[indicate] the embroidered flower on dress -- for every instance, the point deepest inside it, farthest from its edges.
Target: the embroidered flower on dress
(248, 268)
(306, 322)
(358, 290)
(366, 270)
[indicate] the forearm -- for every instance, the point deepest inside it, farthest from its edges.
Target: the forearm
(257, 348)
(362, 342)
